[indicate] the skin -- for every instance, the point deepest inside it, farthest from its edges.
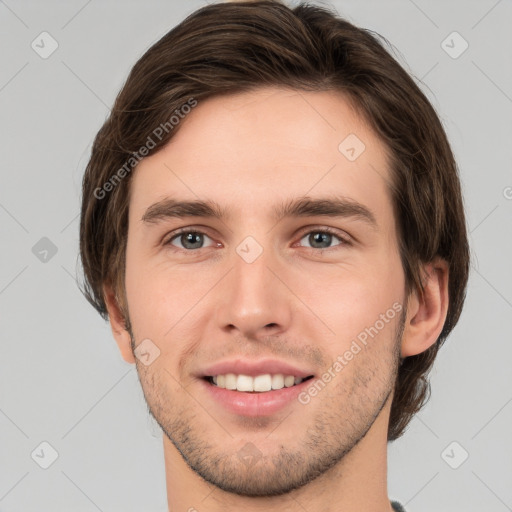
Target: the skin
(296, 302)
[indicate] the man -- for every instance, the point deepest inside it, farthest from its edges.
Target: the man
(272, 222)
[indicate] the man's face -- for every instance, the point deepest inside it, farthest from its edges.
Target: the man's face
(255, 287)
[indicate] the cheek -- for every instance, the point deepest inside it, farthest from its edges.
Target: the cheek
(162, 297)
(350, 298)
(148, 295)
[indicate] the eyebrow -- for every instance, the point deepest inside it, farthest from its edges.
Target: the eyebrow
(299, 207)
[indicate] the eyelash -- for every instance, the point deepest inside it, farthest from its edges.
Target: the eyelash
(344, 240)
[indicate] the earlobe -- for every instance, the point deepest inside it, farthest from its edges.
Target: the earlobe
(426, 315)
(117, 324)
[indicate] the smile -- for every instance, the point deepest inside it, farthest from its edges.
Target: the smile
(257, 384)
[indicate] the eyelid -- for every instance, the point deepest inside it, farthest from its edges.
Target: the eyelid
(188, 229)
(344, 237)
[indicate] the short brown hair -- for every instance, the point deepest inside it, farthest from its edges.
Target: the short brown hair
(235, 47)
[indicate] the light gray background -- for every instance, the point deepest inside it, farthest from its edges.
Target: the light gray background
(62, 379)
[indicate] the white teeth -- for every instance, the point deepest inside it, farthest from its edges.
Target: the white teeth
(260, 383)
(244, 383)
(263, 382)
(289, 381)
(230, 381)
(278, 381)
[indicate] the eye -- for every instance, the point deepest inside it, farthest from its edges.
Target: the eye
(188, 239)
(322, 238)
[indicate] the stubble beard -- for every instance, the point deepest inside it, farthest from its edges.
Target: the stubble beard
(330, 435)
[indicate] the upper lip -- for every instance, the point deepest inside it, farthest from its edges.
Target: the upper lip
(254, 368)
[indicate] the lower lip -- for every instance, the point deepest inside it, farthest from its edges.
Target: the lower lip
(255, 404)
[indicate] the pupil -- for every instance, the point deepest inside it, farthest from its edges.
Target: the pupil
(318, 238)
(189, 239)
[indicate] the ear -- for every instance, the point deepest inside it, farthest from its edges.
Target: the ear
(117, 324)
(426, 315)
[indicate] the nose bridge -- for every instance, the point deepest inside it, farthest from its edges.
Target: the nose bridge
(252, 287)
(254, 299)
(251, 276)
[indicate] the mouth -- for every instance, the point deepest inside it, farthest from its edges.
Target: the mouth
(263, 383)
(254, 388)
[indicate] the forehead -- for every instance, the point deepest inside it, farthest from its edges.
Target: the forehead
(246, 150)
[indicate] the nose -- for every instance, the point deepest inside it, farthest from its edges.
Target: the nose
(254, 302)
